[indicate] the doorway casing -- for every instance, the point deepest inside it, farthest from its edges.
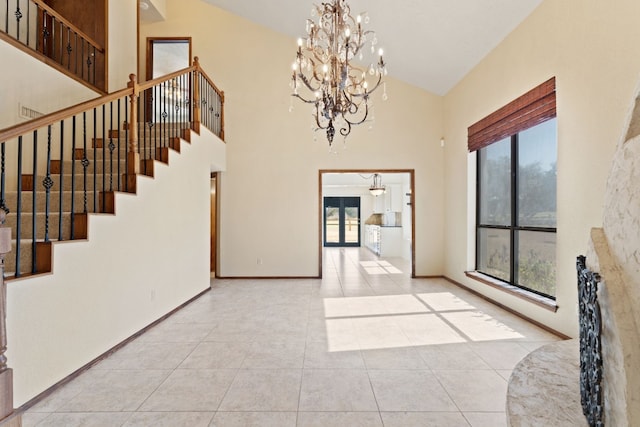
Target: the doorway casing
(411, 194)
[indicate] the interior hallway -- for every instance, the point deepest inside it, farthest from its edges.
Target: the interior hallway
(365, 346)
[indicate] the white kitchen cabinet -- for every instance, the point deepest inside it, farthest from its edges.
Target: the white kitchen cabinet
(396, 198)
(372, 238)
(390, 241)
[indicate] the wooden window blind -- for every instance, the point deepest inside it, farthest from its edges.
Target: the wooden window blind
(534, 107)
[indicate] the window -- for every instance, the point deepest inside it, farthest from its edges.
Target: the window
(516, 197)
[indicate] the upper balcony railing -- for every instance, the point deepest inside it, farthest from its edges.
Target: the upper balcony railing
(36, 26)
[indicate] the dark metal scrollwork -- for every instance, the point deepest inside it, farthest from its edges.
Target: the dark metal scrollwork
(591, 392)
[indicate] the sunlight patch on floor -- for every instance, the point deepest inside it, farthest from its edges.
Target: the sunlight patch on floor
(392, 321)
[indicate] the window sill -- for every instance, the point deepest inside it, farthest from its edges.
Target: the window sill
(539, 300)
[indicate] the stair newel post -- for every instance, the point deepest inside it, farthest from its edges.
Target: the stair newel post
(7, 416)
(133, 156)
(196, 94)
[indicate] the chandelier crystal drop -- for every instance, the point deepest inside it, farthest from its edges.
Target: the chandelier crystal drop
(323, 72)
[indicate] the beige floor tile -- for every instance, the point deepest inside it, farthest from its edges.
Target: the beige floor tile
(216, 355)
(191, 390)
(270, 354)
(339, 419)
(318, 356)
(172, 332)
(336, 390)
(31, 419)
(70, 390)
(121, 390)
(500, 355)
(424, 419)
(319, 352)
(254, 419)
(428, 329)
(393, 358)
(486, 419)
(169, 419)
(409, 390)
(477, 390)
(90, 419)
(148, 355)
(451, 356)
(263, 390)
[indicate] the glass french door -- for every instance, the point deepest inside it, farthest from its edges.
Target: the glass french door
(342, 221)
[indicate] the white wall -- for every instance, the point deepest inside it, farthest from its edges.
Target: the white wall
(123, 59)
(136, 266)
(591, 48)
(273, 162)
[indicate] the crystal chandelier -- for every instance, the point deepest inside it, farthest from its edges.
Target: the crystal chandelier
(323, 70)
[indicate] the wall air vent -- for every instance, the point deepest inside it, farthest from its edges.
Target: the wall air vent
(28, 113)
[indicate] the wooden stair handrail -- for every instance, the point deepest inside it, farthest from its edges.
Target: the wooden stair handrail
(60, 18)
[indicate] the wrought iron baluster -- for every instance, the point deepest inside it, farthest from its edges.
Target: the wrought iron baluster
(112, 146)
(95, 143)
(3, 204)
(104, 159)
(73, 176)
(52, 43)
(89, 62)
(85, 161)
(142, 106)
(45, 34)
(126, 139)
(19, 209)
(18, 15)
(69, 48)
(120, 125)
(76, 51)
(47, 183)
(34, 255)
(61, 175)
(94, 65)
(6, 18)
(28, 20)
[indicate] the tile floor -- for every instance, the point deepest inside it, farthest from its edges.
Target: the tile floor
(364, 346)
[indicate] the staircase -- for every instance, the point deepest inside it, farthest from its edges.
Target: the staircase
(83, 159)
(68, 203)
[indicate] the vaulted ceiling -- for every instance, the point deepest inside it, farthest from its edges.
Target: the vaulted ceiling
(431, 44)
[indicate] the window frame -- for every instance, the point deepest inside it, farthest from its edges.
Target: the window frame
(513, 227)
(525, 112)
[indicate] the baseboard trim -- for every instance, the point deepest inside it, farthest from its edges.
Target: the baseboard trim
(266, 277)
(104, 355)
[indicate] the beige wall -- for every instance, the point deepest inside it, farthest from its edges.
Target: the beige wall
(122, 50)
(35, 85)
(591, 48)
(269, 194)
